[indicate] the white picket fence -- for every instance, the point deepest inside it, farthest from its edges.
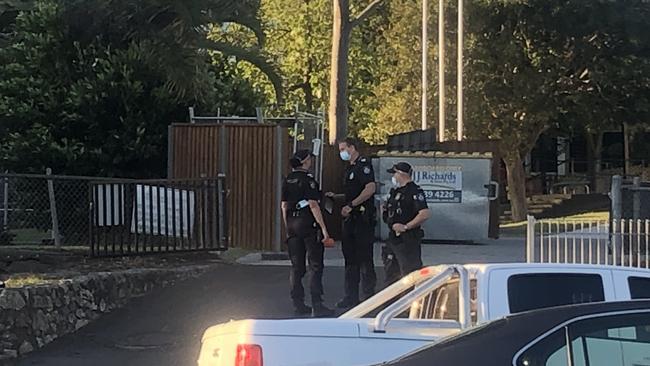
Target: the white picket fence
(620, 242)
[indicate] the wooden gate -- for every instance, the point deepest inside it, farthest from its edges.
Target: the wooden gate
(253, 158)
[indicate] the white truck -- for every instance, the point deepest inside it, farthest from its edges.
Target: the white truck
(426, 306)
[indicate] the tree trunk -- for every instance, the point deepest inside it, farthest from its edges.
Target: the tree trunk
(309, 97)
(307, 88)
(594, 154)
(516, 186)
(338, 106)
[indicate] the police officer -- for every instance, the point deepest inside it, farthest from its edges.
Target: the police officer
(304, 222)
(358, 226)
(404, 212)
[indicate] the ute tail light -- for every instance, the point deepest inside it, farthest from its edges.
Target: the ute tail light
(249, 355)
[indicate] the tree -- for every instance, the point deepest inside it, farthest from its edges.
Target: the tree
(606, 91)
(165, 25)
(529, 65)
(297, 43)
(396, 95)
(93, 94)
(516, 60)
(342, 26)
(300, 44)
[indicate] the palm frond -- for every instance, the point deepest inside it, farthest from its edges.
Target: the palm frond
(255, 57)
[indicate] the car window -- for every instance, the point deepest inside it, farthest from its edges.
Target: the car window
(543, 290)
(639, 287)
(613, 341)
(550, 351)
(441, 303)
(616, 340)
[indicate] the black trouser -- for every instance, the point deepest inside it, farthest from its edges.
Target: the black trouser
(407, 250)
(304, 244)
(391, 267)
(358, 241)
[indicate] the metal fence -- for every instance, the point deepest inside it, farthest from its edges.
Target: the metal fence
(43, 209)
(141, 217)
(308, 132)
(617, 242)
(630, 198)
(113, 216)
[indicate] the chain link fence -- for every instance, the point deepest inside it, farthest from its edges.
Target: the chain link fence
(44, 210)
(308, 132)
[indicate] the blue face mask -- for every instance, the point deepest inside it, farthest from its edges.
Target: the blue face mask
(345, 155)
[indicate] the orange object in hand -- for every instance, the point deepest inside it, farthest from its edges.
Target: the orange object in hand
(329, 243)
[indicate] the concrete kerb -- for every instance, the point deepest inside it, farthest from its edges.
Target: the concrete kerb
(33, 316)
(511, 249)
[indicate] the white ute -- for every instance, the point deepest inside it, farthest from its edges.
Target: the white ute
(423, 307)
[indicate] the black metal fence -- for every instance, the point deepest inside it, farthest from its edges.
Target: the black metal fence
(157, 216)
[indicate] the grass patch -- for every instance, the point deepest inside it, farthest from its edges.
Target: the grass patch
(232, 254)
(30, 236)
(26, 280)
(52, 248)
(519, 228)
(592, 216)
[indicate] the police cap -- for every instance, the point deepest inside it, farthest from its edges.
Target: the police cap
(402, 167)
(302, 154)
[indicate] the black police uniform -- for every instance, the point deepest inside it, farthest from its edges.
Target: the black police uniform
(404, 204)
(358, 234)
(303, 235)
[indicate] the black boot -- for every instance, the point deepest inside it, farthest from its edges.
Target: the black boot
(300, 308)
(347, 303)
(321, 311)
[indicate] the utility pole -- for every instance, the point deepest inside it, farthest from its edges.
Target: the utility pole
(425, 42)
(441, 70)
(459, 86)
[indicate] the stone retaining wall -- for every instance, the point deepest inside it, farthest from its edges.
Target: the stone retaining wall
(33, 316)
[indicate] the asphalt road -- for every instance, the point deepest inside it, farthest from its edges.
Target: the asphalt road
(165, 327)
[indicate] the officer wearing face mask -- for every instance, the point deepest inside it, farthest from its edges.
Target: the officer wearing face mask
(359, 217)
(404, 213)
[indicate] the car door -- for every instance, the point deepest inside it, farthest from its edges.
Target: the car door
(613, 339)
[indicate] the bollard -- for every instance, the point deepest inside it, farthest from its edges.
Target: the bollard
(616, 196)
(530, 239)
(636, 198)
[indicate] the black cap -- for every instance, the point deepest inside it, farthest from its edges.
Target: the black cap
(402, 167)
(302, 154)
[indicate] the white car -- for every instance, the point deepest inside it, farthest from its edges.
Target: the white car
(426, 306)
